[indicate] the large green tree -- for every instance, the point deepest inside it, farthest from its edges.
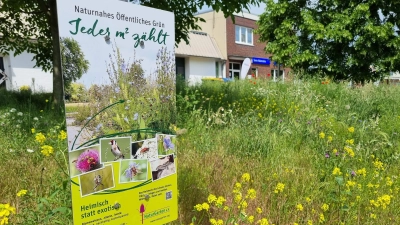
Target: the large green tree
(31, 25)
(341, 39)
(73, 60)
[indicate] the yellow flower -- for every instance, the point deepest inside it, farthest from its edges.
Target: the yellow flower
(238, 197)
(259, 210)
(47, 150)
(245, 177)
(250, 219)
(211, 198)
(325, 207)
(373, 216)
(334, 151)
(309, 222)
(244, 205)
(321, 218)
(62, 135)
(336, 171)
(299, 207)
(330, 138)
(350, 142)
(279, 188)
(322, 135)
(40, 138)
(213, 221)
(378, 164)
(21, 193)
(220, 222)
(362, 171)
(33, 130)
(198, 207)
(350, 184)
(308, 200)
(350, 129)
(295, 224)
(263, 221)
(349, 151)
(251, 193)
(226, 208)
(205, 206)
(220, 201)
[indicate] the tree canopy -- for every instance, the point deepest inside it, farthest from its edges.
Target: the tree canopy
(342, 39)
(73, 60)
(31, 25)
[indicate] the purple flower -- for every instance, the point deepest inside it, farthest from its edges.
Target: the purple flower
(88, 160)
(168, 143)
(327, 155)
(353, 173)
(337, 153)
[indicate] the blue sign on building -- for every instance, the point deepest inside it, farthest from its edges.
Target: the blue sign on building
(263, 61)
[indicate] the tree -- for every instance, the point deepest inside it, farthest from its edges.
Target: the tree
(36, 23)
(342, 39)
(73, 60)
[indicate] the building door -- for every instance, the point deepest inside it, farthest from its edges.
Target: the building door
(180, 68)
(234, 70)
(2, 84)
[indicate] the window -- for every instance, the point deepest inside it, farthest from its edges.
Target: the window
(234, 70)
(216, 69)
(243, 35)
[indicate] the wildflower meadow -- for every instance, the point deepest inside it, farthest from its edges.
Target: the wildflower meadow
(251, 152)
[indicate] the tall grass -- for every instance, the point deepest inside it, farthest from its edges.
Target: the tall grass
(316, 154)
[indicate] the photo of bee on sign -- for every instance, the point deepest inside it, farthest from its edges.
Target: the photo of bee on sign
(133, 170)
(115, 149)
(84, 160)
(97, 181)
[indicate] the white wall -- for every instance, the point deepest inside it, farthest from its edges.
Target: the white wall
(199, 68)
(20, 70)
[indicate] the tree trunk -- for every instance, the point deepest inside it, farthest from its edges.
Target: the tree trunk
(58, 85)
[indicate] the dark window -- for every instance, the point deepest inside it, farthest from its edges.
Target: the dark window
(180, 67)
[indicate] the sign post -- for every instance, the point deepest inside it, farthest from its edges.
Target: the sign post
(122, 155)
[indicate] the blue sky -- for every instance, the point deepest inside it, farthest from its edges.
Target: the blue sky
(253, 9)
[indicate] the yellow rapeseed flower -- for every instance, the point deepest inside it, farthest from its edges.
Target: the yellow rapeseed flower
(205, 206)
(362, 172)
(336, 171)
(321, 218)
(251, 193)
(325, 207)
(309, 222)
(351, 129)
(246, 177)
(198, 207)
(33, 130)
(299, 207)
(322, 135)
(213, 221)
(21, 193)
(40, 138)
(263, 221)
(211, 198)
(330, 138)
(62, 135)
(279, 188)
(47, 150)
(244, 205)
(250, 219)
(220, 222)
(259, 210)
(220, 201)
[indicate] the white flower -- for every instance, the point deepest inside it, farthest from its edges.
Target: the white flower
(13, 110)
(126, 119)
(11, 150)
(29, 150)
(35, 118)
(135, 117)
(20, 114)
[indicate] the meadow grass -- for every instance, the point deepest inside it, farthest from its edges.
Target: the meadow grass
(274, 153)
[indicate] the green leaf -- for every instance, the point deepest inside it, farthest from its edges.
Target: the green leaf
(339, 180)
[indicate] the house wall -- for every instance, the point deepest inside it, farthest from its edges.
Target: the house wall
(246, 51)
(200, 68)
(215, 26)
(20, 70)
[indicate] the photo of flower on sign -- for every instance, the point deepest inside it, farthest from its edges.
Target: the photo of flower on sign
(123, 99)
